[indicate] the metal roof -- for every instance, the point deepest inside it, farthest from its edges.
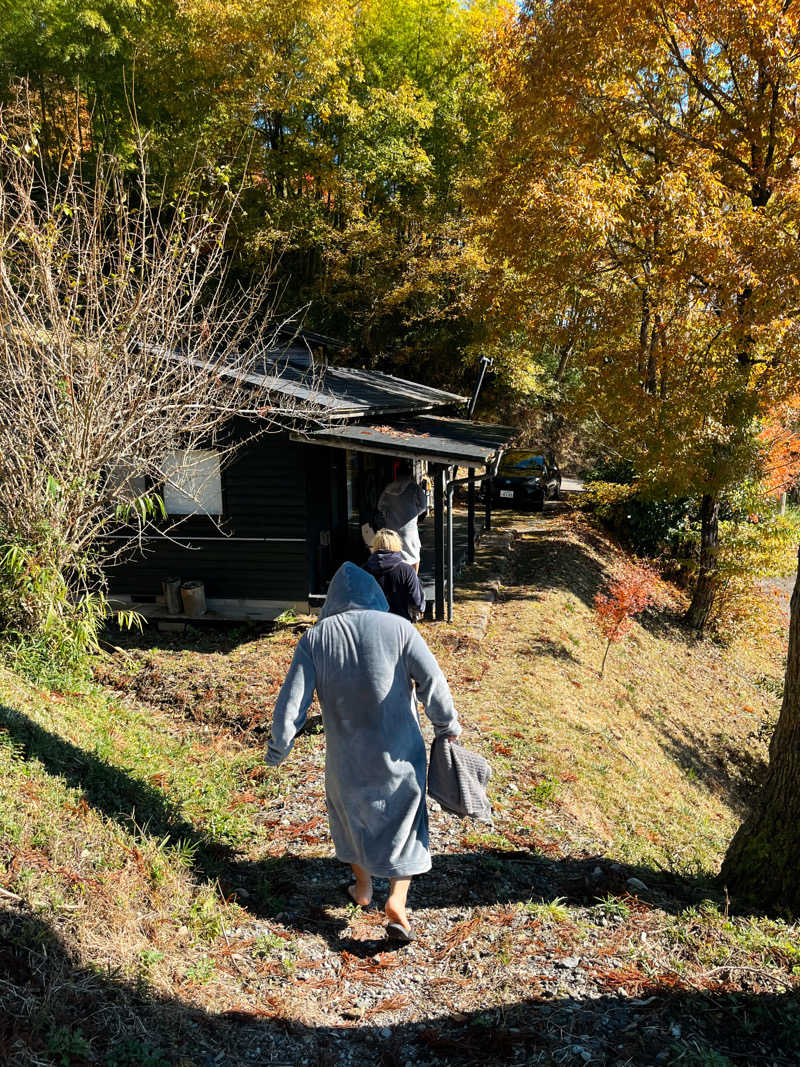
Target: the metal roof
(343, 392)
(295, 334)
(332, 392)
(431, 437)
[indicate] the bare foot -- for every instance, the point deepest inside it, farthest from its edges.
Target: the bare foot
(396, 913)
(361, 897)
(361, 891)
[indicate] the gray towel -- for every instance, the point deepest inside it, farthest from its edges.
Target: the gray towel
(457, 779)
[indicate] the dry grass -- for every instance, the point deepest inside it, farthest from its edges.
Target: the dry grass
(652, 763)
(177, 903)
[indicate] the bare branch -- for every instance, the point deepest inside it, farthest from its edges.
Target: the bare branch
(122, 338)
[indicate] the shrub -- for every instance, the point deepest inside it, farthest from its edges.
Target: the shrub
(603, 498)
(755, 542)
(50, 624)
(651, 527)
(751, 549)
(629, 594)
(617, 471)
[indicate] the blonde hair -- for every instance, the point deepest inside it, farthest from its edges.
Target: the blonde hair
(387, 540)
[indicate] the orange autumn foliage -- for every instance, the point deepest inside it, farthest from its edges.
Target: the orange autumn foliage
(780, 437)
(628, 595)
(640, 218)
(643, 217)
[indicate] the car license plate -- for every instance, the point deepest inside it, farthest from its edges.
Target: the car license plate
(507, 494)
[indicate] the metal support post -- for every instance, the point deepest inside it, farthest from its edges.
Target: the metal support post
(451, 485)
(451, 566)
(471, 516)
(443, 490)
(485, 364)
(438, 529)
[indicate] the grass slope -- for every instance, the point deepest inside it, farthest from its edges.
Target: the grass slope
(652, 763)
(166, 899)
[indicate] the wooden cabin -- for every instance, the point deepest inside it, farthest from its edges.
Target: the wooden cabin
(266, 532)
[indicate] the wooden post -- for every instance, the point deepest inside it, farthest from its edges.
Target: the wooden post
(471, 516)
(438, 529)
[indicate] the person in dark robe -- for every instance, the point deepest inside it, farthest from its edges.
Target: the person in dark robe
(398, 579)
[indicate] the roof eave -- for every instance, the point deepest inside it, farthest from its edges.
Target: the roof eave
(394, 448)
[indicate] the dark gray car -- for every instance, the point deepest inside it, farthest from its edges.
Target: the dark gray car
(525, 479)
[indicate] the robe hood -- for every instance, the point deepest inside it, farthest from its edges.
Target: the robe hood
(352, 589)
(399, 485)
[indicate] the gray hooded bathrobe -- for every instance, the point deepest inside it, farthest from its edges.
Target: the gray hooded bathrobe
(402, 502)
(363, 663)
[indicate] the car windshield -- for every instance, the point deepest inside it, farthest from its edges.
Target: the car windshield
(522, 463)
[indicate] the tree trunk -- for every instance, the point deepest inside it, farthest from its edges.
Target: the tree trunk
(707, 579)
(762, 866)
(644, 332)
(564, 353)
(605, 657)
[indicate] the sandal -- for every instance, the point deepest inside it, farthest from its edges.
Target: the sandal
(398, 932)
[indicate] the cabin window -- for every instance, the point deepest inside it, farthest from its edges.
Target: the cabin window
(192, 483)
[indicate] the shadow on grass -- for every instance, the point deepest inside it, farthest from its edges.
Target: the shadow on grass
(667, 624)
(547, 559)
(721, 765)
(299, 888)
(57, 1010)
(547, 646)
(211, 635)
(120, 796)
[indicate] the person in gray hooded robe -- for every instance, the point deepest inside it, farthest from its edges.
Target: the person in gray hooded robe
(401, 503)
(364, 664)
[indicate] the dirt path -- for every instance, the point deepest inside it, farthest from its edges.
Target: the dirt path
(782, 588)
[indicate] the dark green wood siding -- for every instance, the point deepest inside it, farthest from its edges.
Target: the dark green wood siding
(264, 496)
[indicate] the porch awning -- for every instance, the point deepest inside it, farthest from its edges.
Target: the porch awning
(430, 437)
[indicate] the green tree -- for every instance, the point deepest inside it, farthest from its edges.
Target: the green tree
(359, 183)
(72, 57)
(348, 130)
(354, 168)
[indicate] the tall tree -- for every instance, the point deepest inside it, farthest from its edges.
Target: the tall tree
(648, 166)
(358, 184)
(762, 865)
(99, 292)
(73, 57)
